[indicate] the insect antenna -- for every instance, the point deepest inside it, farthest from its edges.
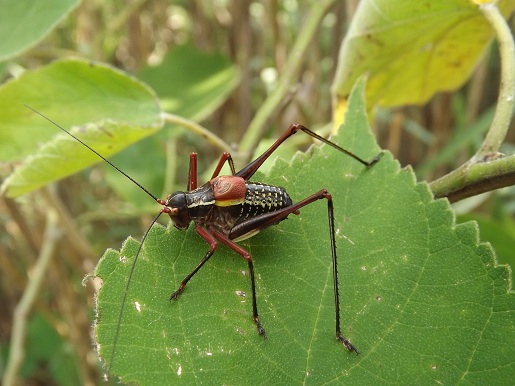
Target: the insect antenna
(96, 152)
(126, 291)
(162, 202)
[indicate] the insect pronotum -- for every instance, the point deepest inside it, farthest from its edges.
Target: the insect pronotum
(229, 209)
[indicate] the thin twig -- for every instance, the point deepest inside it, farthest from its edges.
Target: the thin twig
(23, 309)
(30, 239)
(197, 129)
(77, 240)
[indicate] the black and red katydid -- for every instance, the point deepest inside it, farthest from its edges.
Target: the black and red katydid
(229, 209)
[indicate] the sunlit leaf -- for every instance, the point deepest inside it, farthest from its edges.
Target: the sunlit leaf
(23, 23)
(412, 49)
(106, 108)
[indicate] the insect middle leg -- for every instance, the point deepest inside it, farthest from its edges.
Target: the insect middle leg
(209, 237)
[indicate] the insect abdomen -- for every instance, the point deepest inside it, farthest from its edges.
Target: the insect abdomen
(262, 198)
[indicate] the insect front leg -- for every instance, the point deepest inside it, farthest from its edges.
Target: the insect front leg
(208, 238)
(192, 175)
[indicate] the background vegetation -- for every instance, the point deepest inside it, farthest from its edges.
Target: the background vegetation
(221, 64)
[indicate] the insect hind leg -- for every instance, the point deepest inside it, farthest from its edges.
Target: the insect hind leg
(268, 219)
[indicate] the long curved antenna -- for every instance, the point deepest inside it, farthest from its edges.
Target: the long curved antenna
(96, 152)
(126, 291)
(133, 266)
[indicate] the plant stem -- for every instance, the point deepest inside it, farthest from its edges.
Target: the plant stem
(197, 129)
(506, 100)
(481, 177)
(289, 75)
(77, 240)
(469, 180)
(22, 310)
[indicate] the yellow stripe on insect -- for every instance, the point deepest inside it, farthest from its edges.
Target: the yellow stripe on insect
(237, 201)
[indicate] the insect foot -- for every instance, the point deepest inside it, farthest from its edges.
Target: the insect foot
(176, 294)
(375, 159)
(346, 343)
(261, 330)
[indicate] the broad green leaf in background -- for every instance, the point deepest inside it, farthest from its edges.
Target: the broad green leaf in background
(23, 23)
(192, 83)
(109, 110)
(422, 299)
(46, 347)
(412, 49)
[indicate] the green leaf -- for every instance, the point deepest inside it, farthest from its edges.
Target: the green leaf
(46, 348)
(23, 23)
(412, 49)
(192, 83)
(106, 108)
(422, 299)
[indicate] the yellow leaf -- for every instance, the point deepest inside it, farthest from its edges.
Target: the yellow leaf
(412, 50)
